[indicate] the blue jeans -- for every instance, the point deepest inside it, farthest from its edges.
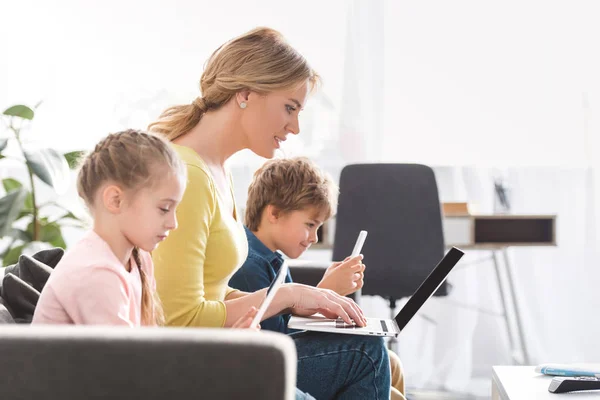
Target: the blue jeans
(334, 366)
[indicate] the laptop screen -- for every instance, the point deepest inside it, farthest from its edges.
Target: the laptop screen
(428, 287)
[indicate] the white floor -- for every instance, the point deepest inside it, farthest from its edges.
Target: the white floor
(478, 389)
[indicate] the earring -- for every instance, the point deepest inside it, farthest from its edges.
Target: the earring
(243, 105)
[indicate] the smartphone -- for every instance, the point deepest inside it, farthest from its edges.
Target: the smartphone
(271, 291)
(360, 241)
(362, 236)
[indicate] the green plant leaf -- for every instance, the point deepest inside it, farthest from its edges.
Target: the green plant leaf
(11, 184)
(10, 206)
(27, 210)
(69, 215)
(3, 143)
(49, 232)
(12, 256)
(51, 167)
(19, 234)
(20, 111)
(73, 158)
(29, 202)
(25, 213)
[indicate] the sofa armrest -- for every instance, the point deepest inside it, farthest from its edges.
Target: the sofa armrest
(75, 362)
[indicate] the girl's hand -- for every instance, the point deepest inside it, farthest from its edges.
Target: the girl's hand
(307, 300)
(246, 320)
(344, 277)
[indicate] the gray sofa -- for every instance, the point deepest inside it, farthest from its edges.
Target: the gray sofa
(75, 362)
(50, 362)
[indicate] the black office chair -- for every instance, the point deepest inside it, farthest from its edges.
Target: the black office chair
(398, 205)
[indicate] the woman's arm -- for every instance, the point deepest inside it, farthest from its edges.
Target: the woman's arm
(179, 260)
(236, 294)
(303, 299)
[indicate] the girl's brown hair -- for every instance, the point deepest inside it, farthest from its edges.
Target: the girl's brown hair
(133, 160)
(260, 61)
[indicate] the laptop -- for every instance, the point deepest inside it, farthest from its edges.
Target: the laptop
(271, 291)
(385, 327)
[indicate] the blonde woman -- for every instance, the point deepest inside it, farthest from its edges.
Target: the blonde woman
(253, 90)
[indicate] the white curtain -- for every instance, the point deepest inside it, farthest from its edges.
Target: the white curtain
(480, 90)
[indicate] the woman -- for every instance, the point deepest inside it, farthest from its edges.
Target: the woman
(253, 89)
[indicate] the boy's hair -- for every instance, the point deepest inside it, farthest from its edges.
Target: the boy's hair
(133, 160)
(289, 185)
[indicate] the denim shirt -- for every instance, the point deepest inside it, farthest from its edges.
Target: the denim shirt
(256, 273)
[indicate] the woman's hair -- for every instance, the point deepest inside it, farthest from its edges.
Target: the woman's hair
(260, 61)
(289, 185)
(133, 160)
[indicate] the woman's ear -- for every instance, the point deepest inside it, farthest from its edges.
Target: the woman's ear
(112, 198)
(242, 97)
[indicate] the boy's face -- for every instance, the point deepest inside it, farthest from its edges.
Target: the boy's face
(295, 231)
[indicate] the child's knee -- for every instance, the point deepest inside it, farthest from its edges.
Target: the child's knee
(395, 363)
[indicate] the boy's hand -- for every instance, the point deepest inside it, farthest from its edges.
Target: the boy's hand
(246, 320)
(344, 277)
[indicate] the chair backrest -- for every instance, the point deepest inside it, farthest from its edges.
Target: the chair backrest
(398, 204)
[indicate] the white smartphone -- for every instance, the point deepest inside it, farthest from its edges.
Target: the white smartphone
(271, 291)
(362, 236)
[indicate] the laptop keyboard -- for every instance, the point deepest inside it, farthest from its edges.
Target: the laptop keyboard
(339, 323)
(383, 325)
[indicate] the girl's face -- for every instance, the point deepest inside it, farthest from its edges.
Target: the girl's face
(268, 119)
(149, 213)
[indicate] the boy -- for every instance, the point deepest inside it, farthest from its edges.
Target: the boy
(288, 200)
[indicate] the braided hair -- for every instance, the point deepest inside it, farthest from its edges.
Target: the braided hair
(132, 159)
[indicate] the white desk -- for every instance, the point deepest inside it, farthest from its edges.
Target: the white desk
(496, 233)
(491, 232)
(522, 383)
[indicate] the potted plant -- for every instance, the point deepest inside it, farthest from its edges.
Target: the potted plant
(27, 224)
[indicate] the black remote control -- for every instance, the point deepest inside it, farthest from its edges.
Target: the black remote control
(565, 384)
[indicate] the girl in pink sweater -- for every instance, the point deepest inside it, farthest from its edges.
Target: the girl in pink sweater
(131, 183)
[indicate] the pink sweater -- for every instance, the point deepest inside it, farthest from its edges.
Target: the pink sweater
(90, 286)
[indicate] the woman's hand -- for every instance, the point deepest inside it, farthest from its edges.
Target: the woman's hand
(246, 320)
(307, 300)
(344, 277)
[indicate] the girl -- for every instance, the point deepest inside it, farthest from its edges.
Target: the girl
(131, 183)
(253, 89)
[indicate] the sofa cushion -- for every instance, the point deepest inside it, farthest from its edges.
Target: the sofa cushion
(22, 282)
(49, 257)
(34, 272)
(20, 297)
(5, 315)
